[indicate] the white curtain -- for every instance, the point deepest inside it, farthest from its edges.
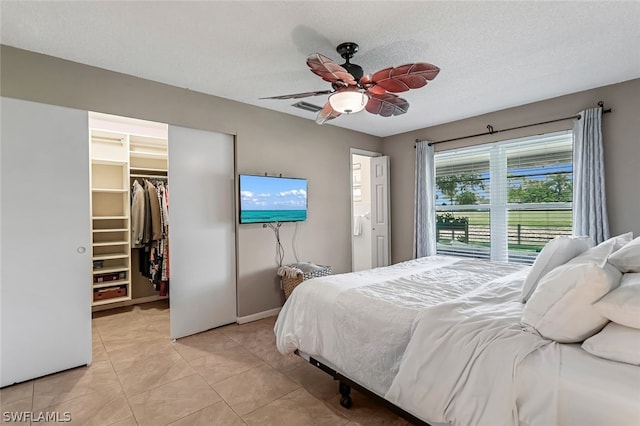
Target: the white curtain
(589, 201)
(424, 222)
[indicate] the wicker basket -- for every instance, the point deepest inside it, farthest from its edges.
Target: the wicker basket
(306, 272)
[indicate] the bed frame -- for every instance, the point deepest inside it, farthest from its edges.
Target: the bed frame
(346, 384)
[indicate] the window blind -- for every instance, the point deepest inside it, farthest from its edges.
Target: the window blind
(504, 201)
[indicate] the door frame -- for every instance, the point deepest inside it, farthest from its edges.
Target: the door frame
(364, 153)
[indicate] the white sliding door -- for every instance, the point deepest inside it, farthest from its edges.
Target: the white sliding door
(45, 289)
(201, 230)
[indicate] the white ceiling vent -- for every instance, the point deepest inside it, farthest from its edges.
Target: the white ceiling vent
(307, 106)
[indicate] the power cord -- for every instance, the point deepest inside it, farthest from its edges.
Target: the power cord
(294, 242)
(279, 249)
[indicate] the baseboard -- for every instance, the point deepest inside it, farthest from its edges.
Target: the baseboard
(128, 303)
(258, 316)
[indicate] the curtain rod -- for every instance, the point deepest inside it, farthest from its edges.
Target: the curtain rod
(491, 131)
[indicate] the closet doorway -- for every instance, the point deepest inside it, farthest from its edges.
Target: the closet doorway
(129, 210)
(163, 220)
(52, 202)
(370, 224)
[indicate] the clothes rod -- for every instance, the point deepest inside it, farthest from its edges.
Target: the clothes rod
(491, 130)
(148, 176)
(108, 139)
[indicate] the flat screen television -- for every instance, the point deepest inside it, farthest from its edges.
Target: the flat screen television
(265, 199)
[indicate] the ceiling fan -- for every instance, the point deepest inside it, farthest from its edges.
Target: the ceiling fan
(352, 91)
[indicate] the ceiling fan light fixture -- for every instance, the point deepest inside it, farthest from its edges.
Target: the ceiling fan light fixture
(348, 101)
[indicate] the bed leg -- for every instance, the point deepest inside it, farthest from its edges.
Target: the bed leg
(345, 399)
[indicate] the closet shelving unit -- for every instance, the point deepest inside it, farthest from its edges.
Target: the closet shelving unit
(148, 158)
(111, 253)
(120, 152)
(148, 155)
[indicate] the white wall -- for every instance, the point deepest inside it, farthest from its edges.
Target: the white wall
(267, 141)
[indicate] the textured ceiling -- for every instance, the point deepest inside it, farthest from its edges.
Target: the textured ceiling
(493, 55)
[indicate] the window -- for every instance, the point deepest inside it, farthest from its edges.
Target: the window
(504, 201)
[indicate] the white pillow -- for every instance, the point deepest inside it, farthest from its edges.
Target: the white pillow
(627, 259)
(561, 308)
(622, 240)
(600, 253)
(622, 305)
(615, 342)
(555, 253)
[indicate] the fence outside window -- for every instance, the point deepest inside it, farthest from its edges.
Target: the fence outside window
(504, 201)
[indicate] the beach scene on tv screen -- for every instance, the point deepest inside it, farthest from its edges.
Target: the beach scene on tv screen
(272, 199)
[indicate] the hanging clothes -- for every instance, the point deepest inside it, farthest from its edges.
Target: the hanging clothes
(137, 214)
(150, 231)
(154, 210)
(163, 197)
(147, 215)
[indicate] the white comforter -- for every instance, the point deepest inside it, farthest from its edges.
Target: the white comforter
(444, 342)
(330, 317)
(461, 364)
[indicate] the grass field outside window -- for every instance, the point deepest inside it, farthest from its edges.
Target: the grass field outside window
(523, 186)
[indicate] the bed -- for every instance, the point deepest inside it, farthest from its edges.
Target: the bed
(441, 339)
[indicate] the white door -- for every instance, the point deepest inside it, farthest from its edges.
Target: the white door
(380, 222)
(45, 281)
(201, 231)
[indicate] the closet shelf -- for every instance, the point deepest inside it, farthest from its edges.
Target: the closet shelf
(134, 176)
(96, 231)
(100, 271)
(108, 137)
(111, 243)
(111, 256)
(110, 284)
(108, 217)
(147, 154)
(146, 169)
(109, 161)
(147, 140)
(107, 301)
(110, 190)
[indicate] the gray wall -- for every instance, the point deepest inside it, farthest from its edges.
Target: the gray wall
(266, 142)
(621, 134)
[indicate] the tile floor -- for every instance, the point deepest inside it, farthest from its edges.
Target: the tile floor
(228, 376)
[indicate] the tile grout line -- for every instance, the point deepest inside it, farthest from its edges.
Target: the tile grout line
(264, 362)
(252, 339)
(271, 402)
(126, 398)
(196, 372)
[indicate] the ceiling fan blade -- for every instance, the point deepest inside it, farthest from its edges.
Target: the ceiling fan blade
(326, 113)
(402, 78)
(301, 95)
(386, 104)
(329, 70)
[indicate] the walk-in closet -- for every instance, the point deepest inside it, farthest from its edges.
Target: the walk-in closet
(129, 211)
(70, 245)
(163, 220)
